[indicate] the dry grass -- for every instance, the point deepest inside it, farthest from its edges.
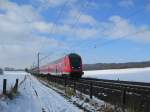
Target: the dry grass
(70, 92)
(10, 94)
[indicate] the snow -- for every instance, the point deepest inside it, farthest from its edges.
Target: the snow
(11, 78)
(84, 101)
(79, 99)
(33, 96)
(131, 74)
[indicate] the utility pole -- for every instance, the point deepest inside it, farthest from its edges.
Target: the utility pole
(38, 62)
(33, 65)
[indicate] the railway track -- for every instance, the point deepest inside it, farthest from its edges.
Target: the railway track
(135, 87)
(122, 93)
(116, 84)
(119, 81)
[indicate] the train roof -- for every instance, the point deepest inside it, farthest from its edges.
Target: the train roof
(69, 55)
(73, 54)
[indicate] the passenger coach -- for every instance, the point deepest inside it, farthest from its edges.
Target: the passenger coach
(70, 65)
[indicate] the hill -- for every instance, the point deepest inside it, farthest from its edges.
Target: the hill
(102, 66)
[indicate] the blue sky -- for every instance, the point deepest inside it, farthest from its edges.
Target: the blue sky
(100, 31)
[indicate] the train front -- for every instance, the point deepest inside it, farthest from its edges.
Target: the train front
(76, 65)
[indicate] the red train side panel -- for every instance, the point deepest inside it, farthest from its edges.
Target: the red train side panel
(70, 65)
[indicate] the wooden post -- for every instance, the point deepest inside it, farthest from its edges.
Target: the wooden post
(4, 86)
(123, 97)
(65, 84)
(38, 55)
(91, 90)
(16, 85)
(74, 86)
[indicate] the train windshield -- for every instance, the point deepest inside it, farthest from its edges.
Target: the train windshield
(75, 61)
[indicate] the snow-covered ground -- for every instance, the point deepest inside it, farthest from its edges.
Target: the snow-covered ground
(33, 96)
(11, 78)
(132, 74)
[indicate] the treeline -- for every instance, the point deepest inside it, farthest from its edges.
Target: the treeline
(102, 66)
(13, 69)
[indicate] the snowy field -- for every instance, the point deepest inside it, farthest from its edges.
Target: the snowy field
(33, 96)
(132, 74)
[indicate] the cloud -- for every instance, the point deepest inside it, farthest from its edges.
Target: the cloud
(67, 30)
(17, 12)
(82, 18)
(19, 39)
(24, 32)
(126, 3)
(51, 3)
(118, 27)
(113, 28)
(46, 4)
(43, 26)
(148, 6)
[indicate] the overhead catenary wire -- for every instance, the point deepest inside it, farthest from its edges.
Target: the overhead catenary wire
(102, 44)
(83, 5)
(59, 16)
(78, 16)
(41, 59)
(123, 37)
(54, 25)
(115, 40)
(119, 21)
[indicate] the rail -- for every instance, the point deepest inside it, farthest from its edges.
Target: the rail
(113, 91)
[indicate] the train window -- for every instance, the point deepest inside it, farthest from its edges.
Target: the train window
(75, 61)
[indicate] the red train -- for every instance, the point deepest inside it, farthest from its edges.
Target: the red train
(70, 65)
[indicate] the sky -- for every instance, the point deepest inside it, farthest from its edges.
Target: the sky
(100, 31)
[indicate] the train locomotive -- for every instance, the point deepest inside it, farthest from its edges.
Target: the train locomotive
(70, 65)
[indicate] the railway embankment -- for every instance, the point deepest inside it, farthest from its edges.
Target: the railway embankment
(134, 96)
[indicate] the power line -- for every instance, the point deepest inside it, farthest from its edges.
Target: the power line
(123, 37)
(59, 15)
(51, 60)
(57, 18)
(78, 18)
(80, 13)
(54, 25)
(83, 6)
(45, 56)
(129, 16)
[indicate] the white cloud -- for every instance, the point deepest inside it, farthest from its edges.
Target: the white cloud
(51, 3)
(148, 6)
(67, 30)
(19, 13)
(22, 29)
(18, 40)
(45, 4)
(82, 18)
(118, 27)
(43, 26)
(126, 3)
(113, 28)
